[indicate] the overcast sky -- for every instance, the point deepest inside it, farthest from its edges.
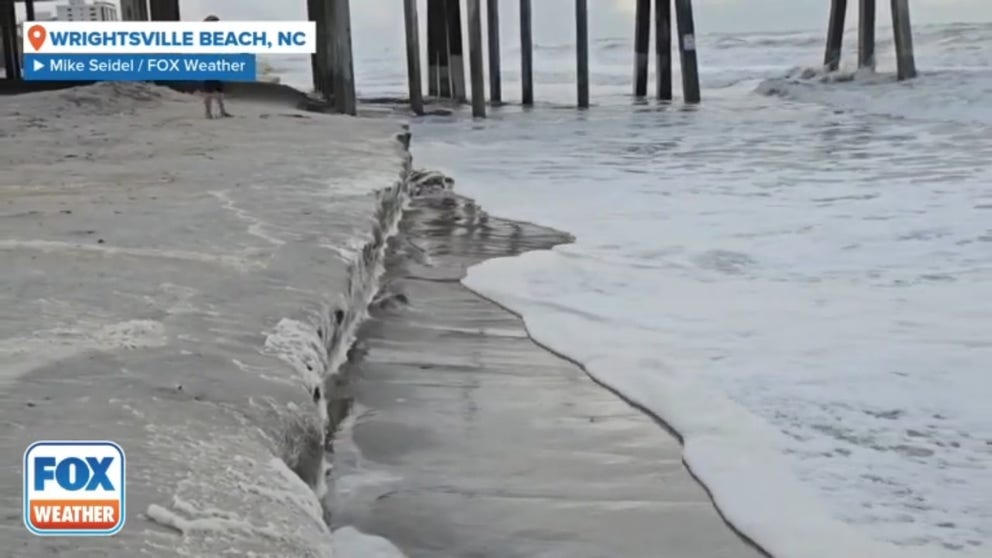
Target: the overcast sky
(378, 20)
(611, 17)
(378, 23)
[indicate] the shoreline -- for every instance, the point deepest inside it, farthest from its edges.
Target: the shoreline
(410, 359)
(643, 409)
(310, 341)
(292, 340)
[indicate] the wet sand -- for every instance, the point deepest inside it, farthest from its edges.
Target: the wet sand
(469, 440)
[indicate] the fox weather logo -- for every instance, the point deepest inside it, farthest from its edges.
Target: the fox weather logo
(74, 488)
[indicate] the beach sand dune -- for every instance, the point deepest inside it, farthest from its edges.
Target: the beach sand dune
(151, 261)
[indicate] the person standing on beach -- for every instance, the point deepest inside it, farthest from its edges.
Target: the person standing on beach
(214, 90)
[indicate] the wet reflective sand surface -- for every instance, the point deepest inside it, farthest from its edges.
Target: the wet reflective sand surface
(468, 439)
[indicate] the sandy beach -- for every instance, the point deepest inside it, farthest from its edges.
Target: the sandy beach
(169, 283)
(522, 303)
(190, 289)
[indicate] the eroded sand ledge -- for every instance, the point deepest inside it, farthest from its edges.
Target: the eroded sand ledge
(172, 288)
(168, 283)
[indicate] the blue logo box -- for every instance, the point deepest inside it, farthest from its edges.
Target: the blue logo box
(139, 67)
(74, 488)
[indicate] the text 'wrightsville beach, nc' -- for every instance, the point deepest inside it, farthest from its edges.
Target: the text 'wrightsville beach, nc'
(165, 51)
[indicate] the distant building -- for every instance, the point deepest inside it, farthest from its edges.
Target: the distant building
(79, 10)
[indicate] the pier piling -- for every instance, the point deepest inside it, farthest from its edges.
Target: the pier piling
(492, 28)
(902, 28)
(663, 48)
(687, 50)
(413, 56)
(475, 58)
(582, 51)
(315, 72)
(344, 83)
(318, 60)
(8, 36)
(526, 54)
(866, 34)
(642, 37)
(164, 10)
(136, 10)
(443, 52)
(325, 59)
(435, 38)
(835, 34)
(456, 60)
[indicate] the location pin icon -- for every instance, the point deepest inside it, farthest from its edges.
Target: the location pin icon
(36, 35)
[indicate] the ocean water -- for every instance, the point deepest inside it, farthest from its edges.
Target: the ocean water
(794, 275)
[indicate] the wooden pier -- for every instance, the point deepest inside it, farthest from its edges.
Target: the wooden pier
(445, 64)
(901, 27)
(443, 48)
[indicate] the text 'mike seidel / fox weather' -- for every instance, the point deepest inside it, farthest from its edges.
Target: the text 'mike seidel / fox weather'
(158, 50)
(170, 37)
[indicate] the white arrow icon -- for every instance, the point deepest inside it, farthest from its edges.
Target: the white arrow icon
(38, 65)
